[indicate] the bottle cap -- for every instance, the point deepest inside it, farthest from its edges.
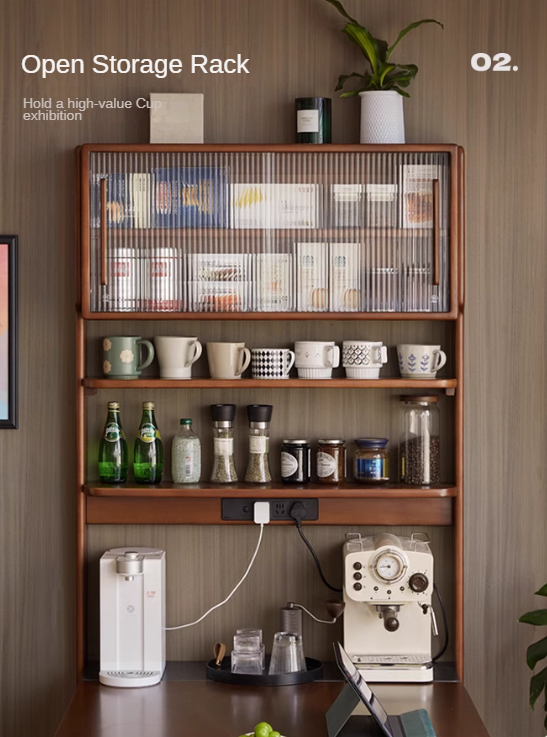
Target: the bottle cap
(113, 405)
(223, 412)
(419, 398)
(186, 422)
(259, 412)
(334, 441)
(371, 442)
(148, 405)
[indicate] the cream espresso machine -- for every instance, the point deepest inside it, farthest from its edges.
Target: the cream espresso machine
(389, 619)
(132, 593)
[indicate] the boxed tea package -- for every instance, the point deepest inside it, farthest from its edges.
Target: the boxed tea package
(312, 277)
(190, 197)
(256, 205)
(273, 288)
(345, 277)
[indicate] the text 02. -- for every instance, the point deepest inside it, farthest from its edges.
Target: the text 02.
(483, 62)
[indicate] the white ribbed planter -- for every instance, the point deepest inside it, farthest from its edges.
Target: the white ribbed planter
(382, 117)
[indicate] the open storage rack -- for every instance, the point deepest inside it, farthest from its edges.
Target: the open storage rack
(409, 271)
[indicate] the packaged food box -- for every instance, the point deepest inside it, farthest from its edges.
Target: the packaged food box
(347, 205)
(219, 296)
(417, 194)
(190, 197)
(345, 277)
(219, 267)
(255, 205)
(128, 200)
(312, 277)
(273, 287)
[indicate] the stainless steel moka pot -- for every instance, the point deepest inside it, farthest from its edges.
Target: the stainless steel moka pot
(389, 619)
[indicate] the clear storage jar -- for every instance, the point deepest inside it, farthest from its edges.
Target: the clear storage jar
(258, 468)
(420, 446)
(224, 470)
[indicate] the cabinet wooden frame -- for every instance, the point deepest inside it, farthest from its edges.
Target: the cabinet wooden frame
(366, 508)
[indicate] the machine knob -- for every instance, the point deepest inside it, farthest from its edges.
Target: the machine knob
(357, 576)
(418, 582)
(391, 623)
(357, 586)
(357, 566)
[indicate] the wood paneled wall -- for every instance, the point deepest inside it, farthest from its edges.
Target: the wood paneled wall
(295, 49)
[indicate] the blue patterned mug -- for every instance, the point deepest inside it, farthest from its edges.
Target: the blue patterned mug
(420, 361)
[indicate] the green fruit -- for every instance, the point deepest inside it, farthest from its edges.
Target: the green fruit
(275, 734)
(263, 730)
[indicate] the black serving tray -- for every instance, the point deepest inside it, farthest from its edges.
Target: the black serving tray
(223, 674)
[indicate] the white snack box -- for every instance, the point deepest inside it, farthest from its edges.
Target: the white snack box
(312, 277)
(176, 118)
(218, 267)
(345, 277)
(222, 296)
(273, 286)
(256, 205)
(417, 194)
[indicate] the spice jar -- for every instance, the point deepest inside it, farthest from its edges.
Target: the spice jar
(420, 447)
(224, 470)
(371, 462)
(331, 461)
(258, 469)
(295, 462)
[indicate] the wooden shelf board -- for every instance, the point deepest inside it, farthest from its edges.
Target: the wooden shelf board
(293, 383)
(288, 491)
(325, 316)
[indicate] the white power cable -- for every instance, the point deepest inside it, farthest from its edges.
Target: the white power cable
(212, 609)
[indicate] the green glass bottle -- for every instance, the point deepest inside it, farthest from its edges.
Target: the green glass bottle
(148, 455)
(113, 456)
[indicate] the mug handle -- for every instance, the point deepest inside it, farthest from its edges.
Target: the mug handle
(440, 360)
(292, 359)
(382, 354)
(196, 345)
(246, 360)
(334, 361)
(151, 354)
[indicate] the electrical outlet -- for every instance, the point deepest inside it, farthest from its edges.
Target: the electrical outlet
(241, 510)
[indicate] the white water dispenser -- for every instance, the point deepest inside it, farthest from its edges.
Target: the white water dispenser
(132, 593)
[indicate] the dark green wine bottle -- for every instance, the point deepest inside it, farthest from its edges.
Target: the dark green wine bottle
(113, 456)
(148, 456)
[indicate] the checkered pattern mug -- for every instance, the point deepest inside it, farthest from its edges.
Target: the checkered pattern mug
(271, 363)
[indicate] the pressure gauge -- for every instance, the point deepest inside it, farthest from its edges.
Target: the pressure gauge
(389, 566)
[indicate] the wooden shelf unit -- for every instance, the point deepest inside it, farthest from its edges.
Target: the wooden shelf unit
(347, 505)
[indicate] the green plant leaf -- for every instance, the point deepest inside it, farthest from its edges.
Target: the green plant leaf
(343, 78)
(362, 37)
(536, 652)
(400, 91)
(384, 70)
(340, 8)
(407, 30)
(537, 684)
(352, 93)
(537, 617)
(542, 591)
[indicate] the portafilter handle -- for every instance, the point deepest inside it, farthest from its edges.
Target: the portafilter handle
(334, 607)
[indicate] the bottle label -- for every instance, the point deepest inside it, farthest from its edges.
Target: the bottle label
(148, 433)
(258, 444)
(113, 432)
(307, 121)
(369, 468)
(326, 465)
(223, 446)
(289, 464)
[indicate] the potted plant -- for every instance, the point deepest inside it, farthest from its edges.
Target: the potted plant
(382, 87)
(536, 652)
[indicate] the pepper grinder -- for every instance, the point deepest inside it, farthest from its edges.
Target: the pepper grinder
(258, 469)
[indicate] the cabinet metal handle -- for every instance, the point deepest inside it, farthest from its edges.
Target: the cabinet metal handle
(436, 234)
(104, 233)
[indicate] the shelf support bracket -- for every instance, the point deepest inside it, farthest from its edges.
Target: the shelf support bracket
(89, 391)
(451, 391)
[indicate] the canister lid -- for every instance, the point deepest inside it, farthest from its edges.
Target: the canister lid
(223, 412)
(113, 405)
(259, 412)
(295, 442)
(419, 398)
(148, 405)
(372, 442)
(335, 441)
(186, 421)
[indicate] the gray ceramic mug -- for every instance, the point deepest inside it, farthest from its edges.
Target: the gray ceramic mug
(122, 356)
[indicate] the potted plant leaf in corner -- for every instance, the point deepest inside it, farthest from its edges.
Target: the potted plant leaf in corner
(382, 86)
(536, 652)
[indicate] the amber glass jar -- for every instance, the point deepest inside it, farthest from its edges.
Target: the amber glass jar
(371, 463)
(331, 461)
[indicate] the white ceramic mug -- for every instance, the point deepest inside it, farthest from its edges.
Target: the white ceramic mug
(271, 363)
(363, 359)
(316, 359)
(176, 355)
(227, 360)
(420, 361)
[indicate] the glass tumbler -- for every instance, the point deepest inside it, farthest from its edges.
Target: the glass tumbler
(287, 654)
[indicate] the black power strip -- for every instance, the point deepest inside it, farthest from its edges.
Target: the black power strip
(241, 510)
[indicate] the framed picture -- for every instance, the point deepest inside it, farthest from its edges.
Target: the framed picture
(8, 331)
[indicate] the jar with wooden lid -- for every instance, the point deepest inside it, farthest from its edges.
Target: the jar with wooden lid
(331, 461)
(371, 462)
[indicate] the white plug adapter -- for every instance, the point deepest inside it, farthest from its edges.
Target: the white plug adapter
(261, 513)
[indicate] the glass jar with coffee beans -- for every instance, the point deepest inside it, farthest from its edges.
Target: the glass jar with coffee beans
(420, 446)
